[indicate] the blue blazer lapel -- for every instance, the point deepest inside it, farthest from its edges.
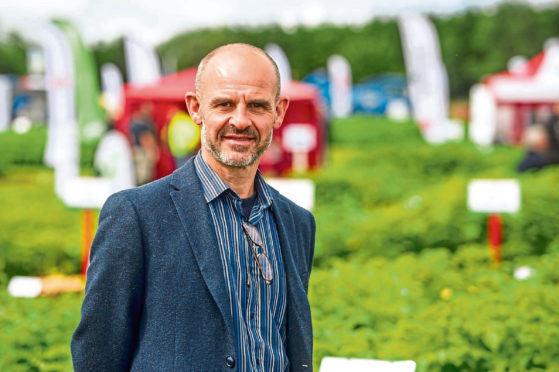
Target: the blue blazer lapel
(187, 195)
(299, 339)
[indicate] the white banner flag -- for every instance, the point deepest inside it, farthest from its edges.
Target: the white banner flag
(111, 82)
(62, 149)
(142, 63)
(339, 76)
(427, 78)
(281, 60)
(5, 103)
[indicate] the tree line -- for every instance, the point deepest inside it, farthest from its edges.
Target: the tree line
(473, 43)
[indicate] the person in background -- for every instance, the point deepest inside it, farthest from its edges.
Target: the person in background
(145, 144)
(206, 269)
(542, 143)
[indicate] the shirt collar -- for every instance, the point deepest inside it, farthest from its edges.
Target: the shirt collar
(213, 186)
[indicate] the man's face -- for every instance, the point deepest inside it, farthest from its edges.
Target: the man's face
(237, 107)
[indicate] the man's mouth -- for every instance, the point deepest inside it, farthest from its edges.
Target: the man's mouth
(238, 139)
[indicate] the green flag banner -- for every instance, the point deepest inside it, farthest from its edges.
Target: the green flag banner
(91, 119)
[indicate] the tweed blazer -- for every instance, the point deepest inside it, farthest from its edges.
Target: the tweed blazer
(155, 297)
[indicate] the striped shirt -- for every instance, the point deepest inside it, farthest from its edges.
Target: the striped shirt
(258, 309)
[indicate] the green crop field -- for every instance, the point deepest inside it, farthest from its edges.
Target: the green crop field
(402, 269)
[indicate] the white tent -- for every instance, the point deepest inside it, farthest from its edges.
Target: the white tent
(505, 103)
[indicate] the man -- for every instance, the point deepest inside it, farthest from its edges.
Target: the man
(542, 143)
(206, 269)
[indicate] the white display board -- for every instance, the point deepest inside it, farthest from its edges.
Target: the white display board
(333, 364)
(494, 196)
(300, 191)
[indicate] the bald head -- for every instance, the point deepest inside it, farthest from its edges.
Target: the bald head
(220, 55)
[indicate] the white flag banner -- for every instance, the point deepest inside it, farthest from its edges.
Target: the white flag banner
(111, 82)
(62, 149)
(279, 56)
(427, 77)
(5, 103)
(483, 115)
(339, 75)
(142, 63)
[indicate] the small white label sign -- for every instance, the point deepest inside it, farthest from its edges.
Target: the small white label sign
(299, 138)
(332, 364)
(494, 196)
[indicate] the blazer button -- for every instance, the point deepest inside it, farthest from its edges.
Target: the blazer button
(230, 361)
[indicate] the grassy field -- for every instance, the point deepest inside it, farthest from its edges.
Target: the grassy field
(402, 269)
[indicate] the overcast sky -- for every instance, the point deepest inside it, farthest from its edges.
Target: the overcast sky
(154, 21)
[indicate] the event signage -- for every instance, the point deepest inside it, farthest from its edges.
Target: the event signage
(298, 190)
(113, 95)
(427, 78)
(5, 103)
(62, 148)
(339, 75)
(142, 63)
(90, 116)
(299, 139)
(279, 56)
(334, 364)
(494, 196)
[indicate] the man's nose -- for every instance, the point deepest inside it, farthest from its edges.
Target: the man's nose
(239, 117)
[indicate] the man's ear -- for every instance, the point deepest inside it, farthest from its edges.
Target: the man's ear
(281, 109)
(193, 106)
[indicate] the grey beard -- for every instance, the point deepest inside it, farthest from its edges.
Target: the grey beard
(223, 157)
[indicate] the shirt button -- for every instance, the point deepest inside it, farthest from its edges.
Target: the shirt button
(257, 362)
(230, 361)
(251, 315)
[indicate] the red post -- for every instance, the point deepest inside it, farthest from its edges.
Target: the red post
(495, 236)
(87, 237)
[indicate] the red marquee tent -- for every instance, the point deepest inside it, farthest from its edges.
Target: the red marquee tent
(167, 98)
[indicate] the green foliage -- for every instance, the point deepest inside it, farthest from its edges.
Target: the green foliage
(448, 312)
(397, 194)
(38, 235)
(402, 270)
(110, 52)
(28, 150)
(13, 58)
(22, 149)
(36, 332)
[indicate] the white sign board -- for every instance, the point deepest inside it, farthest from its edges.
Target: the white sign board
(332, 364)
(299, 191)
(299, 138)
(494, 196)
(86, 192)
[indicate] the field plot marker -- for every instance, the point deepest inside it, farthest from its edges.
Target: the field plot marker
(494, 197)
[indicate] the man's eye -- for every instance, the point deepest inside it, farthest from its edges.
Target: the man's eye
(225, 104)
(257, 105)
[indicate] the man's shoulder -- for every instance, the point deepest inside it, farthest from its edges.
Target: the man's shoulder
(156, 192)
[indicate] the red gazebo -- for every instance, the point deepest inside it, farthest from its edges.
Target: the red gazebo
(303, 116)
